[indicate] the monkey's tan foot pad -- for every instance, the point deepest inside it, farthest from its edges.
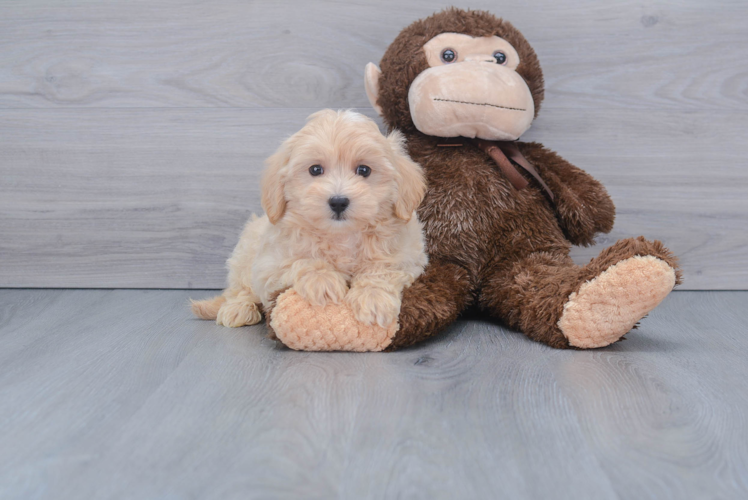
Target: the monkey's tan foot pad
(608, 306)
(304, 327)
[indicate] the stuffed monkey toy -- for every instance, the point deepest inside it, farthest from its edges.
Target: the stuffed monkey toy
(500, 215)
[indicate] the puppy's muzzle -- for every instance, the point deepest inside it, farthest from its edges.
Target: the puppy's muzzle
(338, 204)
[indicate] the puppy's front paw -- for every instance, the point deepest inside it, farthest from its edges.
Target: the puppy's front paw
(321, 287)
(373, 305)
(235, 313)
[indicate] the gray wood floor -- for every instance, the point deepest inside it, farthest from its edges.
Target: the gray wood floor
(132, 134)
(121, 394)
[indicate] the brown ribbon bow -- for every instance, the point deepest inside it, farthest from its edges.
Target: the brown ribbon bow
(500, 152)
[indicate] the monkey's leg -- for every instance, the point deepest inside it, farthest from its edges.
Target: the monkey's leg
(553, 301)
(433, 301)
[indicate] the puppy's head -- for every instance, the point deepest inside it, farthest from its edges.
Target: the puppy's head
(340, 172)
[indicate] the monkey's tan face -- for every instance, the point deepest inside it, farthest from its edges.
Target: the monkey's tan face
(471, 89)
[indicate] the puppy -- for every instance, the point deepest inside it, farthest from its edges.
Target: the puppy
(340, 224)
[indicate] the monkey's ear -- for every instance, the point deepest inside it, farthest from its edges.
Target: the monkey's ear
(274, 181)
(371, 81)
(411, 185)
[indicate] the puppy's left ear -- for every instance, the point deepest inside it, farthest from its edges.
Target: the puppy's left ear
(411, 185)
(274, 182)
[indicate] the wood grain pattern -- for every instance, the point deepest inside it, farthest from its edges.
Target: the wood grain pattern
(132, 135)
(156, 198)
(674, 54)
(106, 394)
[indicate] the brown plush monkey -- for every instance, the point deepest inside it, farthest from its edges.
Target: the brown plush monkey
(461, 85)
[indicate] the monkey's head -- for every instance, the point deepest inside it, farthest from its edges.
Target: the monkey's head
(458, 73)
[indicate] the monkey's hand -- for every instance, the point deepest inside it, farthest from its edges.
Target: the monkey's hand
(582, 204)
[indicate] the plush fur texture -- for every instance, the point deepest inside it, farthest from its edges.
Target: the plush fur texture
(503, 250)
(364, 256)
(405, 59)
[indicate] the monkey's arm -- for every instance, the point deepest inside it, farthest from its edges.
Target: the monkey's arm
(582, 204)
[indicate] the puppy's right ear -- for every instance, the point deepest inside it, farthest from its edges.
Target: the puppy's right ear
(274, 182)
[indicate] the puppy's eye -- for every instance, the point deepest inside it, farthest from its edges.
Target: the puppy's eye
(316, 170)
(449, 55)
(500, 57)
(363, 171)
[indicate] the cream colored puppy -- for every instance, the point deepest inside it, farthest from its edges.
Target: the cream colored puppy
(340, 224)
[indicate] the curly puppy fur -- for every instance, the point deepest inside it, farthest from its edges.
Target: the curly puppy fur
(364, 255)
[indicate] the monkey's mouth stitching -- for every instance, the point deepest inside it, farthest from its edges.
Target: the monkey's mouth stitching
(479, 104)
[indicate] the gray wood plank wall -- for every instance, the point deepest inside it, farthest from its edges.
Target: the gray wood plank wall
(132, 134)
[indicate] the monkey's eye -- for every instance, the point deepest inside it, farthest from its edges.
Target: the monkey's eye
(500, 57)
(449, 55)
(316, 170)
(363, 171)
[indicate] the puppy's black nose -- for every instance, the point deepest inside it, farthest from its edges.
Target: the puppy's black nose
(339, 204)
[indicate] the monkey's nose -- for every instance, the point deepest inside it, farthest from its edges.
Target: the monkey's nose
(339, 204)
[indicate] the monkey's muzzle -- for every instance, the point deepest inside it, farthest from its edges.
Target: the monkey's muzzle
(471, 99)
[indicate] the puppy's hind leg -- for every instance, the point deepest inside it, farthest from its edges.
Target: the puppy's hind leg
(232, 309)
(239, 309)
(238, 305)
